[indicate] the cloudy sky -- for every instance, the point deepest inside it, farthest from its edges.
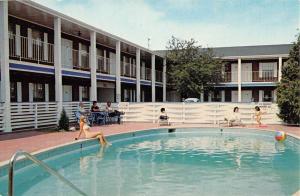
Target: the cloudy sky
(212, 23)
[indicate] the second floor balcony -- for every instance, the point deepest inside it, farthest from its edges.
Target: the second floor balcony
(128, 70)
(252, 76)
(104, 65)
(158, 76)
(146, 74)
(29, 49)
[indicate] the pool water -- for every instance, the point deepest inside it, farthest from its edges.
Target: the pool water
(186, 162)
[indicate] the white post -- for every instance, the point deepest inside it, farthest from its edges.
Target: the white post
(223, 96)
(45, 46)
(4, 55)
(279, 68)
(138, 75)
(201, 97)
(80, 93)
(46, 92)
(261, 94)
(30, 92)
(165, 80)
(118, 74)
(79, 55)
(105, 63)
(209, 97)
(153, 77)
(29, 37)
(93, 62)
(57, 64)
(18, 40)
(239, 80)
(19, 92)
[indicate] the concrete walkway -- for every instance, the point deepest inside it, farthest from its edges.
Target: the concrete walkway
(32, 141)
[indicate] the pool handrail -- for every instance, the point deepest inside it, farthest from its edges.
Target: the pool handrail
(39, 163)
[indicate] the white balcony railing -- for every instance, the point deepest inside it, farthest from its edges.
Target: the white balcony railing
(128, 70)
(28, 49)
(80, 60)
(103, 65)
(251, 76)
(146, 74)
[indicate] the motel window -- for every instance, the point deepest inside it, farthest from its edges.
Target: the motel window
(38, 92)
(13, 92)
(267, 96)
(267, 70)
(85, 93)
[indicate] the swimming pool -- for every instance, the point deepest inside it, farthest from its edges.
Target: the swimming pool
(194, 161)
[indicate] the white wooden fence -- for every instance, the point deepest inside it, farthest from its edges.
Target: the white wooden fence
(39, 115)
(208, 113)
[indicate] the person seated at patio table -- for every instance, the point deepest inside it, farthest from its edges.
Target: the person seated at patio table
(234, 118)
(113, 113)
(81, 110)
(95, 107)
(85, 128)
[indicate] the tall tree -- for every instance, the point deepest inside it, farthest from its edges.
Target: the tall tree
(288, 90)
(192, 69)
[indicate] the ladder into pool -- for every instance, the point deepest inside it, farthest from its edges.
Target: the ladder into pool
(11, 166)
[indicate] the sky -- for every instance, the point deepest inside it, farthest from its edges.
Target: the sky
(213, 23)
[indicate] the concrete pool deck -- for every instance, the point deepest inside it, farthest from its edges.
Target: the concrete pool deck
(32, 141)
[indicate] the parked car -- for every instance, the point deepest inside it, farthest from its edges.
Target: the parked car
(191, 100)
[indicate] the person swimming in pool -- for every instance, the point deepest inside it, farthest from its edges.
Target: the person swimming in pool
(85, 128)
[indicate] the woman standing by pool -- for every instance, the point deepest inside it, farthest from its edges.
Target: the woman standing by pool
(84, 127)
(258, 115)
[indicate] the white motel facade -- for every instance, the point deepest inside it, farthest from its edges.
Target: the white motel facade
(52, 59)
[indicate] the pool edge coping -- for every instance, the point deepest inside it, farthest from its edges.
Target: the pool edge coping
(6, 162)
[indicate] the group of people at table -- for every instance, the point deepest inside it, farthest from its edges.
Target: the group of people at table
(96, 112)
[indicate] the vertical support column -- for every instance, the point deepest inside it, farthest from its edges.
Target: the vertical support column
(105, 63)
(279, 68)
(93, 66)
(4, 61)
(239, 80)
(46, 92)
(30, 92)
(261, 95)
(57, 65)
(223, 96)
(18, 40)
(274, 93)
(202, 97)
(19, 92)
(118, 73)
(153, 77)
(165, 80)
(45, 47)
(138, 75)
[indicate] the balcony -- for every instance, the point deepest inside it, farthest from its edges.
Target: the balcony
(158, 76)
(80, 60)
(252, 76)
(146, 74)
(31, 50)
(104, 65)
(128, 70)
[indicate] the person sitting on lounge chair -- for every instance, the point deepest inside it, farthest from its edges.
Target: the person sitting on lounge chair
(113, 113)
(234, 118)
(164, 119)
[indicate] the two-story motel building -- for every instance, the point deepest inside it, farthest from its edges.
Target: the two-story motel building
(47, 56)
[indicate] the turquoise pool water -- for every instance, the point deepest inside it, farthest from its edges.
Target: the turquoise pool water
(187, 162)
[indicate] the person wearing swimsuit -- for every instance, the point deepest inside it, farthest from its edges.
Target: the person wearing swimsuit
(84, 127)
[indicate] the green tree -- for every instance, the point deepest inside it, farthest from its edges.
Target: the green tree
(192, 69)
(63, 123)
(288, 90)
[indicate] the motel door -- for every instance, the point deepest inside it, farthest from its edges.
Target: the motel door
(234, 72)
(67, 93)
(247, 72)
(66, 53)
(246, 96)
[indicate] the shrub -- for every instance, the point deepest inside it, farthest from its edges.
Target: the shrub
(63, 123)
